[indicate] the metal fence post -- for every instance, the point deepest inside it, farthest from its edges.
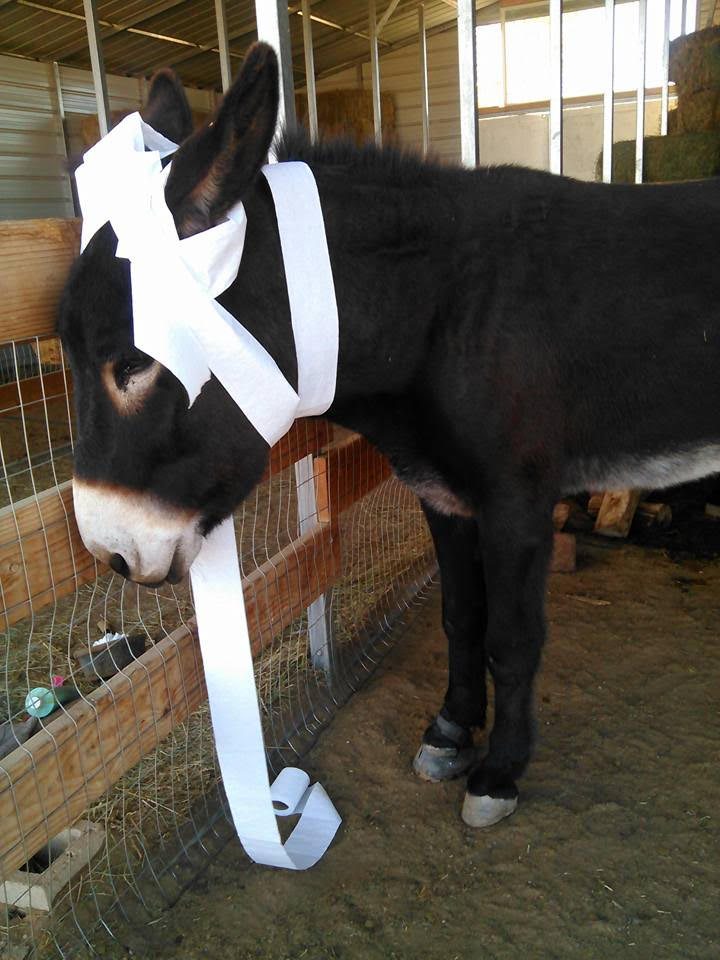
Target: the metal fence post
(640, 102)
(318, 613)
(223, 44)
(424, 92)
(665, 89)
(310, 70)
(375, 72)
(556, 75)
(273, 26)
(98, 66)
(467, 63)
(609, 94)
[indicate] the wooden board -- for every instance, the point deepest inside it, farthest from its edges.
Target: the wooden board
(563, 555)
(322, 496)
(35, 256)
(353, 468)
(52, 779)
(616, 512)
(561, 513)
(305, 436)
(42, 557)
(34, 389)
(284, 586)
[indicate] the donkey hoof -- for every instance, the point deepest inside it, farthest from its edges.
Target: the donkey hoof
(442, 763)
(485, 811)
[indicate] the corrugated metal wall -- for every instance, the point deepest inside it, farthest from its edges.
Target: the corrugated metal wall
(32, 157)
(33, 182)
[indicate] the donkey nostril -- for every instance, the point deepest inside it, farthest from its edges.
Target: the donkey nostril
(119, 566)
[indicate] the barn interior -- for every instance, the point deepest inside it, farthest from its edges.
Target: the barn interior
(116, 837)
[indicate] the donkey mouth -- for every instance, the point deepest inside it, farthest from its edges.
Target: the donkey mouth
(177, 572)
(141, 537)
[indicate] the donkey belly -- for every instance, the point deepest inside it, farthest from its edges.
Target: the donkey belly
(643, 471)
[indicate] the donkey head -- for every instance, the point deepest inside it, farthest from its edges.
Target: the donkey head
(153, 476)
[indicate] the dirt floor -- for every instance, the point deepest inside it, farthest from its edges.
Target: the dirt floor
(614, 850)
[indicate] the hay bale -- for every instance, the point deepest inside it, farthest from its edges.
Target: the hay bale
(688, 156)
(695, 61)
(90, 128)
(349, 114)
(697, 112)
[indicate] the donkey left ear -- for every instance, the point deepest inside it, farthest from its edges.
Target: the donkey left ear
(167, 109)
(215, 167)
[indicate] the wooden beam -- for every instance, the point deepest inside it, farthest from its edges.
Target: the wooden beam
(55, 775)
(33, 389)
(147, 13)
(354, 468)
(616, 512)
(42, 557)
(281, 589)
(309, 435)
(322, 497)
(563, 555)
(36, 256)
(561, 513)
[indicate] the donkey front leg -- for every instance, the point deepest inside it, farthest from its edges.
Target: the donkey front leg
(516, 537)
(447, 748)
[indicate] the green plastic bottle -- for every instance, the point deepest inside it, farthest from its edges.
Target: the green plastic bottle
(41, 701)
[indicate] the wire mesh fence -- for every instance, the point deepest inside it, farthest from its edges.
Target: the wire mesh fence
(112, 802)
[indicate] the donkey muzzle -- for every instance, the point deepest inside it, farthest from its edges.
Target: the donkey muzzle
(137, 534)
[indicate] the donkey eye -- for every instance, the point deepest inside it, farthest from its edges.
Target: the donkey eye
(128, 367)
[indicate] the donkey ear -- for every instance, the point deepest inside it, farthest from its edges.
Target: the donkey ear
(216, 166)
(167, 109)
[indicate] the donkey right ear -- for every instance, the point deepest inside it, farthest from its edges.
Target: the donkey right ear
(167, 109)
(215, 167)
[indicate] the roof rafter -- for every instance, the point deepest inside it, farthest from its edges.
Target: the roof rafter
(121, 27)
(246, 29)
(147, 14)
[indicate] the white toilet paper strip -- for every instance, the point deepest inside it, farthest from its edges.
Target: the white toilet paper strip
(176, 318)
(178, 322)
(217, 590)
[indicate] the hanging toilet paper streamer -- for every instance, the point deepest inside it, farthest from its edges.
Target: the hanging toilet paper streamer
(225, 645)
(177, 321)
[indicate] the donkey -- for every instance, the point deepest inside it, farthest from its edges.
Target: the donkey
(506, 337)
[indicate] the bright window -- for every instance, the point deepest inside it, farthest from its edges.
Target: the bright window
(525, 76)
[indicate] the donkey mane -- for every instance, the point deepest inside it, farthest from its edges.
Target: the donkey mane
(397, 165)
(388, 162)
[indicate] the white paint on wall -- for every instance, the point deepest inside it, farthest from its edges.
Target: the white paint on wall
(523, 138)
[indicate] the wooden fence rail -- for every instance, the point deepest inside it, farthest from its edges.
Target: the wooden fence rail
(50, 780)
(42, 557)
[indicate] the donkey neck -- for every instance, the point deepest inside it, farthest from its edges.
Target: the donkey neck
(394, 246)
(393, 243)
